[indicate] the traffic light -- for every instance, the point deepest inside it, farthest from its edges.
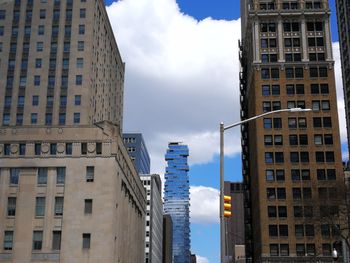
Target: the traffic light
(227, 206)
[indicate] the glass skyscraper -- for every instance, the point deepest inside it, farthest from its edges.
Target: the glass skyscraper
(177, 199)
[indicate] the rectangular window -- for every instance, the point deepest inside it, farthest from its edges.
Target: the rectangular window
(7, 149)
(60, 175)
(76, 119)
(283, 230)
(81, 45)
(274, 250)
(38, 63)
(48, 118)
(37, 240)
(53, 148)
(98, 148)
(77, 100)
(78, 80)
(40, 206)
(272, 211)
(273, 231)
(271, 193)
(86, 240)
(22, 149)
(282, 211)
(88, 206)
(8, 240)
(83, 148)
(82, 12)
(11, 206)
(42, 176)
(90, 173)
(62, 119)
(58, 206)
(69, 148)
(37, 148)
(299, 230)
(81, 29)
(270, 177)
(14, 176)
(56, 240)
(80, 63)
(34, 118)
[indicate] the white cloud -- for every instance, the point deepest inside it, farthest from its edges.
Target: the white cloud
(204, 205)
(181, 77)
(340, 93)
(201, 259)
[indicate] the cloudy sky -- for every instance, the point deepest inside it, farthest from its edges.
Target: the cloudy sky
(181, 82)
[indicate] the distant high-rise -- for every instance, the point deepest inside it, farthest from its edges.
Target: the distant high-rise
(235, 223)
(154, 218)
(138, 153)
(177, 199)
(68, 190)
(343, 16)
(291, 162)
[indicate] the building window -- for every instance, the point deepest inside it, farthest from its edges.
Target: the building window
(82, 12)
(19, 119)
(41, 30)
(11, 206)
(281, 193)
(5, 119)
(326, 249)
(1, 30)
(58, 206)
(80, 63)
(42, 176)
(60, 175)
(80, 45)
(14, 176)
(272, 211)
(309, 230)
(78, 80)
(49, 101)
(48, 118)
(270, 176)
(88, 206)
(86, 240)
(62, 119)
(271, 193)
(38, 63)
(7, 149)
(34, 118)
(77, 100)
(37, 149)
(53, 148)
(282, 211)
(56, 240)
(273, 231)
(90, 173)
(8, 240)
(83, 148)
(274, 250)
(22, 149)
(81, 29)
(98, 148)
(2, 14)
(76, 119)
(283, 230)
(40, 206)
(42, 14)
(37, 240)
(69, 148)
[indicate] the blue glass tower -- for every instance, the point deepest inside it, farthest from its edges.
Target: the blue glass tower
(177, 199)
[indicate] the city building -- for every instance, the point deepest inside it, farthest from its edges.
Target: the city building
(193, 258)
(69, 191)
(177, 199)
(343, 17)
(137, 150)
(234, 224)
(291, 162)
(154, 218)
(167, 239)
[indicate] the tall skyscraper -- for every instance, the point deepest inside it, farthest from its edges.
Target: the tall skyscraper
(291, 161)
(177, 199)
(138, 153)
(343, 17)
(235, 223)
(154, 218)
(69, 191)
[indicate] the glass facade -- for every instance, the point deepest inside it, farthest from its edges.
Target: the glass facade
(177, 200)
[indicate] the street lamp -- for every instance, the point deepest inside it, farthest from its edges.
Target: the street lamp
(222, 130)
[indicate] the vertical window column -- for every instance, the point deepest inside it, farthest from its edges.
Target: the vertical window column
(280, 40)
(303, 39)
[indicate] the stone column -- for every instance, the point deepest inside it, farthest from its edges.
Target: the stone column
(304, 40)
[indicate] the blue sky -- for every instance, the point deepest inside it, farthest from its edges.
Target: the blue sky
(204, 236)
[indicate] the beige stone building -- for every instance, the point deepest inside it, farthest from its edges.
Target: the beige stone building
(291, 161)
(68, 189)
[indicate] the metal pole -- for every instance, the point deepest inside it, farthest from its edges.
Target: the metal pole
(222, 230)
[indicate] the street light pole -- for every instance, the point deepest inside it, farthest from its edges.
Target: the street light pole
(222, 130)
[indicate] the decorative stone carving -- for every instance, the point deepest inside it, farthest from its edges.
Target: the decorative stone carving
(45, 147)
(14, 148)
(60, 147)
(91, 147)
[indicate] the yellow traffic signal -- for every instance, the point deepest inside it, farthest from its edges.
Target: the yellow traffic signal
(227, 206)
